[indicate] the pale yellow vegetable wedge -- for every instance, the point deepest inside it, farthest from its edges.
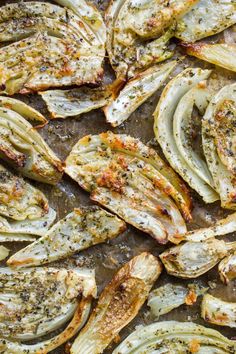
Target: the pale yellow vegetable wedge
(67, 103)
(199, 96)
(23, 109)
(25, 230)
(164, 129)
(218, 312)
(24, 209)
(192, 259)
(218, 138)
(139, 32)
(44, 300)
(221, 227)
(79, 230)
(170, 296)
(206, 18)
(19, 200)
(4, 253)
(227, 268)
(177, 338)
(131, 180)
(136, 92)
(118, 304)
(223, 55)
(23, 147)
(51, 46)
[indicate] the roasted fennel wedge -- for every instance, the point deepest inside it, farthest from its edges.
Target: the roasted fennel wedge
(192, 259)
(148, 19)
(24, 209)
(223, 55)
(218, 138)
(19, 200)
(42, 301)
(175, 337)
(67, 103)
(218, 312)
(68, 48)
(167, 122)
(130, 179)
(136, 92)
(170, 296)
(23, 147)
(227, 268)
(118, 304)
(25, 230)
(221, 227)
(84, 227)
(22, 109)
(4, 253)
(139, 32)
(206, 18)
(199, 97)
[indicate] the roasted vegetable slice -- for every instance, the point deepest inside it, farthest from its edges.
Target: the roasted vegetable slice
(170, 296)
(148, 19)
(23, 147)
(80, 317)
(225, 129)
(135, 32)
(91, 17)
(67, 103)
(43, 300)
(118, 304)
(82, 228)
(68, 49)
(218, 312)
(165, 130)
(130, 179)
(175, 337)
(136, 92)
(192, 259)
(223, 55)
(18, 199)
(25, 70)
(23, 109)
(146, 55)
(183, 128)
(218, 136)
(227, 268)
(25, 207)
(206, 18)
(25, 230)
(4, 253)
(221, 227)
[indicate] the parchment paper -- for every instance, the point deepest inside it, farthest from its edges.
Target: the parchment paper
(61, 135)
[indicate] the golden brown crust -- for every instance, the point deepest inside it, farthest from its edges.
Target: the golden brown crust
(132, 145)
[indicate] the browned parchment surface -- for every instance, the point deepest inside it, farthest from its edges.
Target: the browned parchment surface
(61, 135)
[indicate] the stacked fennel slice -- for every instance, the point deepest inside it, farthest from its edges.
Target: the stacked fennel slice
(52, 46)
(165, 206)
(213, 175)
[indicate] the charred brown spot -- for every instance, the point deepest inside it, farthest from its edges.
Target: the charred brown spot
(194, 346)
(191, 298)
(163, 211)
(112, 180)
(233, 197)
(18, 159)
(221, 317)
(192, 48)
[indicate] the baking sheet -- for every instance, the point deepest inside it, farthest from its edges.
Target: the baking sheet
(61, 135)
